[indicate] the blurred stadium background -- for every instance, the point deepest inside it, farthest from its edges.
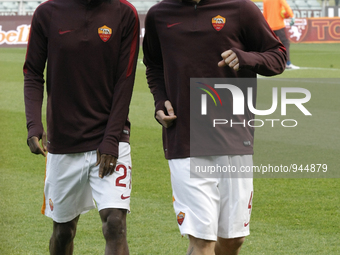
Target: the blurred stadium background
(291, 215)
(27, 7)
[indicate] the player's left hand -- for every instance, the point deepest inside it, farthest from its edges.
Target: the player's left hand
(107, 164)
(229, 59)
(35, 147)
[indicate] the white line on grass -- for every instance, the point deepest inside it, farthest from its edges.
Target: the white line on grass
(314, 68)
(305, 80)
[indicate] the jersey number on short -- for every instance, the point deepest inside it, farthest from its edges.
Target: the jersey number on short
(120, 178)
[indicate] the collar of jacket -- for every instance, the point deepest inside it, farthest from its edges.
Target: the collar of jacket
(194, 2)
(92, 2)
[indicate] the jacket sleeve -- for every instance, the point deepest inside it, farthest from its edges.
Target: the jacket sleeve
(154, 62)
(264, 53)
(124, 83)
(34, 66)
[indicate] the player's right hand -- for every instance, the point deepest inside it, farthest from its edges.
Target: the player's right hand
(35, 147)
(107, 164)
(166, 120)
(229, 58)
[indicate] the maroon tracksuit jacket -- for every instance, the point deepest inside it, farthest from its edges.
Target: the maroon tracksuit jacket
(182, 41)
(91, 51)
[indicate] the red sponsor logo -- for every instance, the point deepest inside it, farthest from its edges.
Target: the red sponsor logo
(180, 218)
(15, 37)
(104, 33)
(218, 22)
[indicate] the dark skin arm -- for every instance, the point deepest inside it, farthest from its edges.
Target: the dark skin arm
(107, 163)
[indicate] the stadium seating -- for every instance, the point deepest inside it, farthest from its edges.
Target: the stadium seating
(314, 4)
(30, 6)
(297, 4)
(23, 7)
(301, 4)
(2, 8)
(259, 4)
(304, 4)
(143, 6)
(9, 6)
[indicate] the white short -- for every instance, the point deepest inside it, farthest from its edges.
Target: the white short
(72, 183)
(208, 208)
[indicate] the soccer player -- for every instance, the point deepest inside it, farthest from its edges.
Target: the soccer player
(272, 11)
(210, 39)
(91, 49)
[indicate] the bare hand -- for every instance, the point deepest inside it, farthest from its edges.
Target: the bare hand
(35, 147)
(107, 164)
(166, 120)
(230, 59)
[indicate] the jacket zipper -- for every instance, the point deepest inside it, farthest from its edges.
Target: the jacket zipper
(195, 20)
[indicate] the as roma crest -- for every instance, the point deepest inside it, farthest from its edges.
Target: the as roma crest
(218, 22)
(104, 33)
(180, 217)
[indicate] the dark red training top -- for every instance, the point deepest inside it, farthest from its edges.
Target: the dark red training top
(91, 51)
(185, 40)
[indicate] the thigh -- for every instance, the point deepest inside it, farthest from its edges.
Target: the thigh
(195, 201)
(114, 191)
(236, 200)
(67, 192)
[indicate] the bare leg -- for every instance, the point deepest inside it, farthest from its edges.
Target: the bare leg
(200, 246)
(228, 246)
(61, 241)
(114, 231)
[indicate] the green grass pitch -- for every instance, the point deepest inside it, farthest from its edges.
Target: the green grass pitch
(290, 215)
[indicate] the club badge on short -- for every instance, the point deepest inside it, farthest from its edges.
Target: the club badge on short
(180, 218)
(218, 22)
(104, 33)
